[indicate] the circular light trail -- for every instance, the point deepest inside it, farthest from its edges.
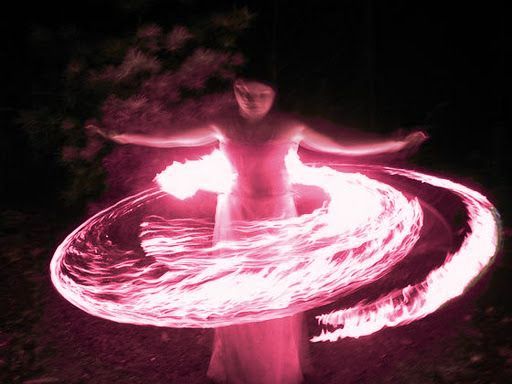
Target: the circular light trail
(136, 265)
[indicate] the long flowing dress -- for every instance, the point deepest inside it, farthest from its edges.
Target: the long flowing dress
(270, 351)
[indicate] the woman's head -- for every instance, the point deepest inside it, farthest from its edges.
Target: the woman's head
(254, 98)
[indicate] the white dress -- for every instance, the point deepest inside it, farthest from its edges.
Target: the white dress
(269, 351)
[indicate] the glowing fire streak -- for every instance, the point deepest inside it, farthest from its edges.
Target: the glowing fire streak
(212, 173)
(277, 267)
(441, 285)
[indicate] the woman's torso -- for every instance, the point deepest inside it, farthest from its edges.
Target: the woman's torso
(257, 153)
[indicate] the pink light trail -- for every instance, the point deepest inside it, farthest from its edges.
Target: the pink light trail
(277, 267)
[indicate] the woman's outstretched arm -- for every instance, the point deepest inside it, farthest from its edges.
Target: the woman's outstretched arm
(311, 139)
(194, 137)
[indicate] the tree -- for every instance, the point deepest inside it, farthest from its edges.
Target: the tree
(151, 80)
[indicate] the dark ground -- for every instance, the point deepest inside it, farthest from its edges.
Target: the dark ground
(45, 339)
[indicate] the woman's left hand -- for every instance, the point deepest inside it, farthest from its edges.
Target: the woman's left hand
(414, 139)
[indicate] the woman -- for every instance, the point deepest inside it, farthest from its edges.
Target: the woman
(256, 142)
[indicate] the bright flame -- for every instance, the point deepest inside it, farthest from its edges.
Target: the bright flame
(275, 268)
(211, 173)
(414, 302)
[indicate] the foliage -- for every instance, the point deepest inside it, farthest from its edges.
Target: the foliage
(152, 80)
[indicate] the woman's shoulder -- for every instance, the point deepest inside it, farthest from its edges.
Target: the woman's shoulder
(226, 123)
(286, 126)
(284, 118)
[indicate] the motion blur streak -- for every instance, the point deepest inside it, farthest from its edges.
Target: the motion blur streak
(274, 268)
(441, 285)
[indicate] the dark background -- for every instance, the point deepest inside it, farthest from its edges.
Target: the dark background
(368, 65)
(363, 64)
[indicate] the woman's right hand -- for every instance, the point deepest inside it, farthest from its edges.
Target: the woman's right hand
(107, 135)
(97, 130)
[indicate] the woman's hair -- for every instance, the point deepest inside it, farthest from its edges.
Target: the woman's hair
(256, 80)
(261, 72)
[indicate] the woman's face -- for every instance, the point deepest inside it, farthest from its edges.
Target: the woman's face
(254, 99)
